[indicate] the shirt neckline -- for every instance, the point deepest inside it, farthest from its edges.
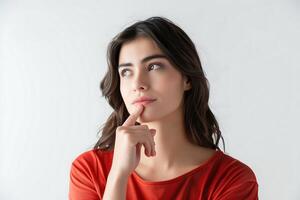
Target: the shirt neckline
(202, 166)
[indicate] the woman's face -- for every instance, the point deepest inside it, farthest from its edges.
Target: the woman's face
(145, 71)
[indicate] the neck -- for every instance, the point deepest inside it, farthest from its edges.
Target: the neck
(171, 143)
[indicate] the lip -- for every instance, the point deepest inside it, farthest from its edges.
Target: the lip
(143, 100)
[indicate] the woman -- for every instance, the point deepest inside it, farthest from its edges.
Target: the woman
(162, 140)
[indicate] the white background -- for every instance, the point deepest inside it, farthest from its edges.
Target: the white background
(53, 56)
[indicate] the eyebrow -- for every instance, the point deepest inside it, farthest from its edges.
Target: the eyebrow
(144, 60)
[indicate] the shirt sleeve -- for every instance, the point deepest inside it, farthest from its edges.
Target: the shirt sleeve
(81, 186)
(244, 191)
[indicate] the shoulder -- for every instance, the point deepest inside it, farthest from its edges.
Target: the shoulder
(92, 161)
(88, 174)
(234, 178)
(236, 169)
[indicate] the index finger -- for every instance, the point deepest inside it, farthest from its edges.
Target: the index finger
(130, 121)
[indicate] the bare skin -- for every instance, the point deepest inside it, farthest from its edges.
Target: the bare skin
(198, 156)
(174, 153)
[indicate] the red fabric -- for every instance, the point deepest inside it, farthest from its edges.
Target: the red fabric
(221, 177)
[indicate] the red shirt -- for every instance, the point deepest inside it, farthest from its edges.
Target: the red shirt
(220, 177)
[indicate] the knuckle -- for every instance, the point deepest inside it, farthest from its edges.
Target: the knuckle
(144, 127)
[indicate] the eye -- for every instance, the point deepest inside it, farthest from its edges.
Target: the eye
(151, 66)
(123, 72)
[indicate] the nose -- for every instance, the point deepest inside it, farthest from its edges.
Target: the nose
(140, 82)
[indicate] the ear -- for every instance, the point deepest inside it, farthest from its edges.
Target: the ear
(187, 83)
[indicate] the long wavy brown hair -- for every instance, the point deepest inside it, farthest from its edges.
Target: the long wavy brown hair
(200, 123)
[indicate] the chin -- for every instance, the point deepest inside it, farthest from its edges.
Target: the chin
(145, 117)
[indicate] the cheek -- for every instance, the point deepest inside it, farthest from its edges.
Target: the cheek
(126, 96)
(124, 92)
(171, 86)
(171, 92)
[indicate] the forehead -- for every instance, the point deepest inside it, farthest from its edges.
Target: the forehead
(135, 50)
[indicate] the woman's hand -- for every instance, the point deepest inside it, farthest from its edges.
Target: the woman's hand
(128, 141)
